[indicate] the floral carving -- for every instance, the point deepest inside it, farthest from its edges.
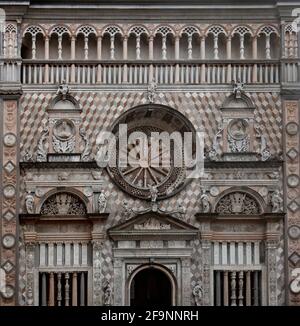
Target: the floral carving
(238, 203)
(63, 204)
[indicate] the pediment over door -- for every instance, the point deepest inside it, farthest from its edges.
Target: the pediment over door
(153, 226)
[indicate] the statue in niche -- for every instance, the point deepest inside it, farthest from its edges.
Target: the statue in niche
(153, 193)
(237, 88)
(198, 294)
(29, 204)
(63, 89)
(276, 201)
(107, 298)
(205, 204)
(102, 202)
(152, 87)
(41, 155)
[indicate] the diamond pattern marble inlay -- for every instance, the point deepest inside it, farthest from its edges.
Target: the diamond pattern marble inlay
(292, 153)
(8, 215)
(294, 258)
(9, 167)
(8, 266)
(293, 206)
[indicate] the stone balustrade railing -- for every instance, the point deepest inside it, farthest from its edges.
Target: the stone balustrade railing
(171, 72)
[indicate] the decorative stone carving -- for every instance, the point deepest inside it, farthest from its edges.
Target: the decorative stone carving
(27, 157)
(238, 203)
(181, 211)
(131, 268)
(152, 224)
(198, 294)
(63, 204)
(41, 149)
(62, 176)
(294, 232)
(97, 289)
(9, 139)
(238, 139)
(237, 88)
(8, 241)
(205, 204)
(63, 139)
(127, 211)
(107, 296)
(151, 91)
(29, 203)
(213, 154)
(102, 202)
(63, 90)
(276, 201)
(153, 193)
(86, 154)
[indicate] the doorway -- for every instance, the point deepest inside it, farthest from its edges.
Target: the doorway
(151, 287)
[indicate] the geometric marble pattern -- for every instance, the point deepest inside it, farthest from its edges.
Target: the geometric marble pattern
(294, 258)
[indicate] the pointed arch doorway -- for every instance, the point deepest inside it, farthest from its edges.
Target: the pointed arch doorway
(151, 286)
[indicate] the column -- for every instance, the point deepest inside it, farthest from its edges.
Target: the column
(256, 292)
(138, 47)
(177, 47)
(206, 250)
(51, 301)
(97, 262)
(82, 289)
(202, 48)
(268, 49)
(46, 80)
(112, 47)
(151, 38)
(254, 57)
(190, 47)
(218, 288)
(164, 47)
(59, 296)
(228, 47)
(242, 48)
(216, 50)
(86, 47)
(125, 47)
(67, 289)
(33, 50)
(271, 247)
(46, 47)
(99, 57)
(59, 48)
(225, 288)
(44, 290)
(233, 289)
(248, 288)
(74, 289)
(73, 47)
(241, 287)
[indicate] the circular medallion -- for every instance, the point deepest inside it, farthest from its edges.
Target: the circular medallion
(8, 240)
(7, 292)
(292, 128)
(64, 129)
(88, 191)
(293, 180)
(214, 191)
(9, 191)
(9, 139)
(145, 162)
(294, 232)
(238, 129)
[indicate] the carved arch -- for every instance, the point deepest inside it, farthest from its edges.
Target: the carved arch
(164, 30)
(267, 30)
(138, 30)
(112, 30)
(86, 30)
(60, 30)
(160, 267)
(75, 197)
(244, 102)
(242, 30)
(33, 30)
(246, 196)
(190, 30)
(215, 30)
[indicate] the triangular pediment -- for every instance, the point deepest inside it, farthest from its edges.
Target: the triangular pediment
(153, 224)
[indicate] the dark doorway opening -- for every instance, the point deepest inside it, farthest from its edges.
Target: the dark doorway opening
(151, 287)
